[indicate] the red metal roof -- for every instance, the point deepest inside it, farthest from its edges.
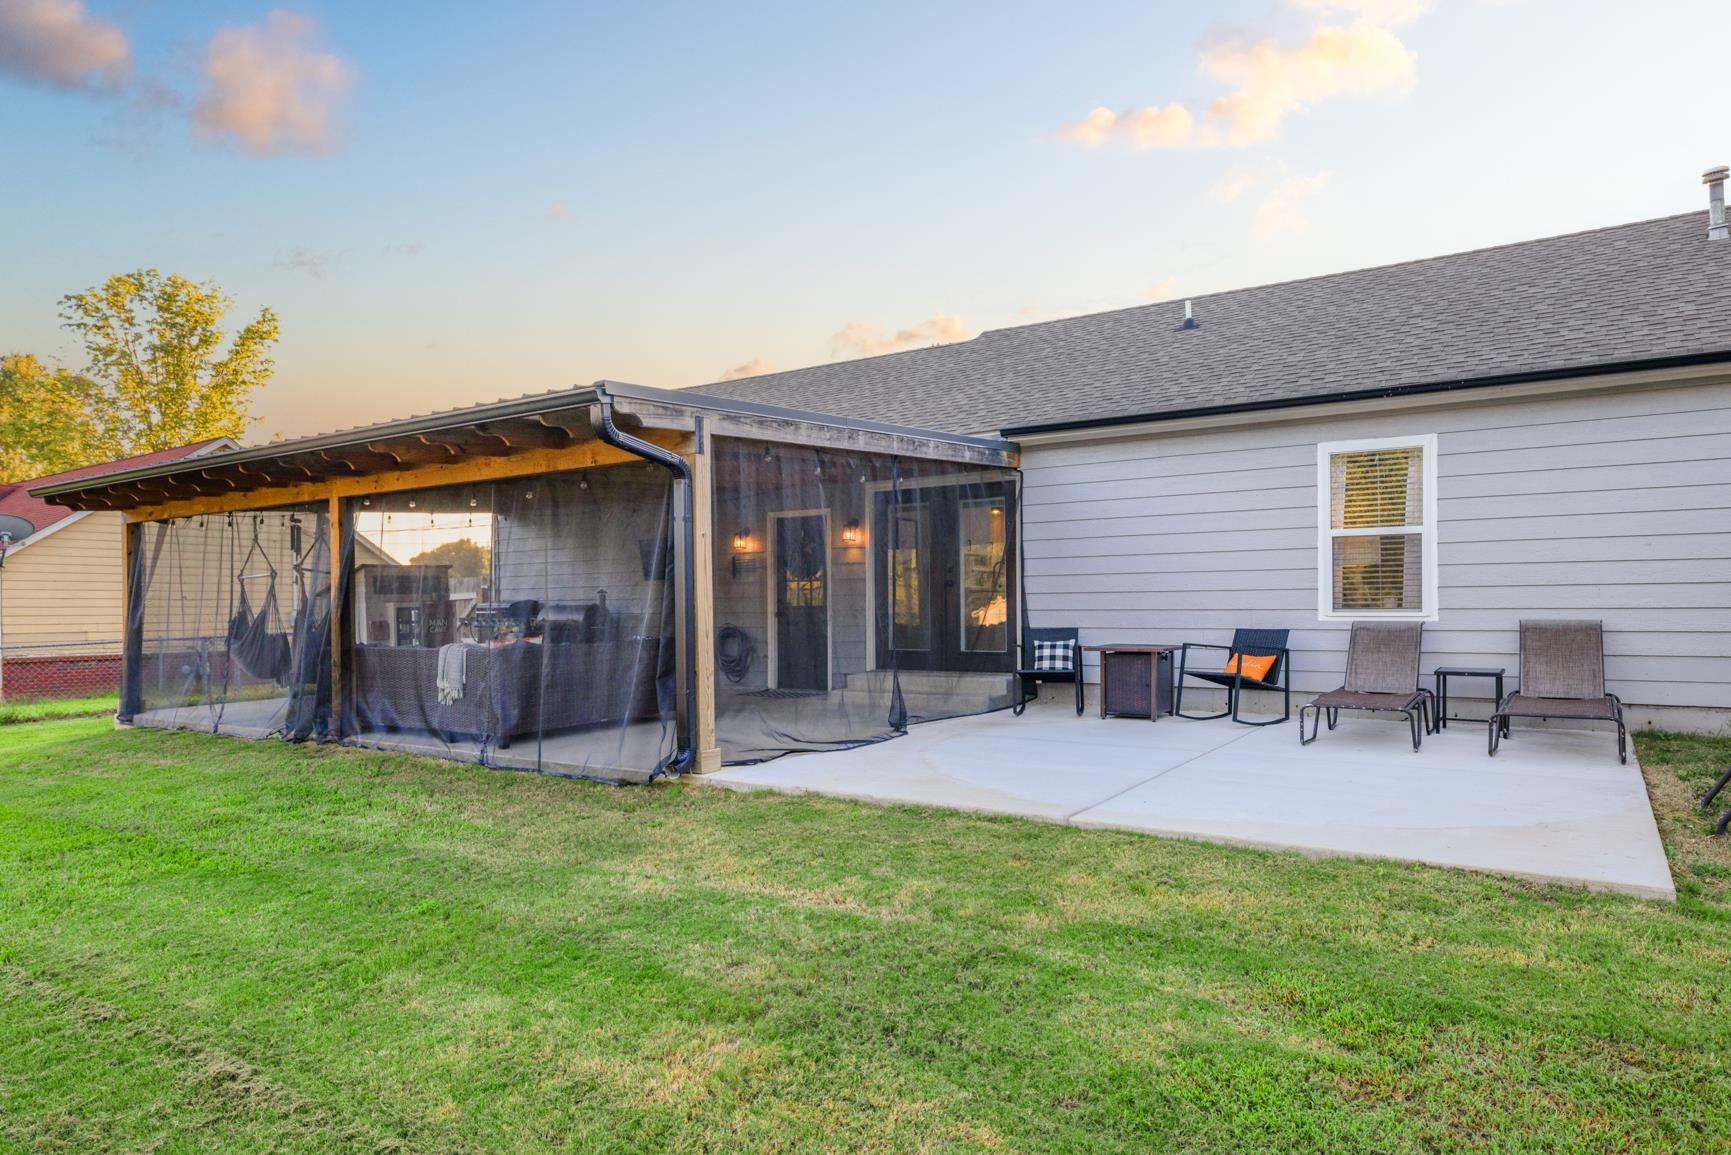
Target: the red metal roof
(15, 497)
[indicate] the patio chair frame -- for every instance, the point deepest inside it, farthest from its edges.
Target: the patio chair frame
(1603, 706)
(1707, 801)
(1026, 674)
(1256, 644)
(1418, 707)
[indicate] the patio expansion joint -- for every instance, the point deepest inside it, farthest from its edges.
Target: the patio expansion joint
(1161, 774)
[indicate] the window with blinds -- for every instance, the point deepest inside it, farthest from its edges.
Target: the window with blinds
(1376, 553)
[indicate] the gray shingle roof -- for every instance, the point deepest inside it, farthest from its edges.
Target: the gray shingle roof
(1652, 289)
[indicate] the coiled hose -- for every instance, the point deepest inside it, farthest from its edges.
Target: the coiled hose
(734, 652)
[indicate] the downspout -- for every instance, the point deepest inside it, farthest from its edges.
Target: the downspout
(686, 756)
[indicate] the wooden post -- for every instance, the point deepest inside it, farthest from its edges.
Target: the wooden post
(131, 621)
(701, 460)
(338, 632)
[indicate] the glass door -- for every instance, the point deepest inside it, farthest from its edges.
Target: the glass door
(943, 578)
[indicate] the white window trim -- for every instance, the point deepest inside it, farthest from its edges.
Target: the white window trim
(1325, 534)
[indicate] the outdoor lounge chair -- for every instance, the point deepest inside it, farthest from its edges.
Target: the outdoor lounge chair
(1562, 676)
(1249, 643)
(1381, 677)
(1052, 654)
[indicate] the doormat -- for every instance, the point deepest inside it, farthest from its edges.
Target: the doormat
(783, 694)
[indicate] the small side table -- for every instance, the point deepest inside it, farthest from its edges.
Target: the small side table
(1135, 681)
(1444, 673)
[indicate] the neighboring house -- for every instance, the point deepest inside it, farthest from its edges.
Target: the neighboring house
(683, 578)
(61, 583)
(1534, 430)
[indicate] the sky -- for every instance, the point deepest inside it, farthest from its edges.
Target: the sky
(447, 204)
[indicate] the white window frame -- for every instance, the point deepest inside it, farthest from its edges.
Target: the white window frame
(1426, 444)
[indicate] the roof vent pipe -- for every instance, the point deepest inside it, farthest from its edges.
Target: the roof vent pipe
(1714, 179)
(1189, 320)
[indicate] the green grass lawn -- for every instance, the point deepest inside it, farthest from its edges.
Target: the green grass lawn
(211, 945)
(49, 709)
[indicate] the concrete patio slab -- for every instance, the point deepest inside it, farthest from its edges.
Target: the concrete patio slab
(1553, 806)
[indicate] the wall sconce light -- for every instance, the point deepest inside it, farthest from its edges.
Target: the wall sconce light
(742, 541)
(852, 534)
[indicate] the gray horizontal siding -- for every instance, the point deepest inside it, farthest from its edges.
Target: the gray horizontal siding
(1615, 506)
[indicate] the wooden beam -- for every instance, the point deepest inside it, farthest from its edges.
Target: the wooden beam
(131, 632)
(703, 599)
(356, 461)
(454, 448)
(221, 484)
(568, 421)
(276, 473)
(515, 438)
(339, 639)
(588, 455)
(415, 452)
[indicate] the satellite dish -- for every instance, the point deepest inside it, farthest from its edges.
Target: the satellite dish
(16, 527)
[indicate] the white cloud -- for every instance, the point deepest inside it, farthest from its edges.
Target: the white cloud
(859, 339)
(1152, 127)
(1272, 79)
(1278, 215)
(269, 89)
(1161, 290)
(406, 249)
(756, 367)
(1231, 188)
(1352, 51)
(56, 42)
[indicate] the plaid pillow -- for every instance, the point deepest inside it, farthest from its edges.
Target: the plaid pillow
(1053, 656)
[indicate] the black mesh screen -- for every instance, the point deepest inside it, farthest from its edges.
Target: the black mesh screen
(522, 624)
(232, 617)
(855, 594)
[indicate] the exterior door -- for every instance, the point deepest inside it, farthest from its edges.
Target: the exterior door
(801, 578)
(944, 582)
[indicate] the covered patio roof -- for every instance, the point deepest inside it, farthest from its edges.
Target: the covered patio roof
(544, 424)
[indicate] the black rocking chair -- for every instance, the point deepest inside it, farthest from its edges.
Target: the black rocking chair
(1252, 643)
(1027, 673)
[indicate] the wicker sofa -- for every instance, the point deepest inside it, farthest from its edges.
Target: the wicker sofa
(510, 690)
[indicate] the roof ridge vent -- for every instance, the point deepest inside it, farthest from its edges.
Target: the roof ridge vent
(1714, 179)
(1189, 316)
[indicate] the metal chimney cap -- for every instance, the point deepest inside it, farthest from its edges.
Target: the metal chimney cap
(1716, 175)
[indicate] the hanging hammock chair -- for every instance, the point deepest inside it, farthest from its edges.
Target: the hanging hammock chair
(257, 641)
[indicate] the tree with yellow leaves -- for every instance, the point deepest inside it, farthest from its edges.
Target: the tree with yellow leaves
(155, 349)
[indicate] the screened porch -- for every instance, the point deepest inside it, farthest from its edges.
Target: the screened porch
(610, 582)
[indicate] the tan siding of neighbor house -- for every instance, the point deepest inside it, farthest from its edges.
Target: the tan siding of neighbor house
(66, 587)
(1614, 506)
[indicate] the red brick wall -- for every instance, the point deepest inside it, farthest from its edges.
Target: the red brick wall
(62, 676)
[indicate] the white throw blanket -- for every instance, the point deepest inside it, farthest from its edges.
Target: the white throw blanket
(453, 672)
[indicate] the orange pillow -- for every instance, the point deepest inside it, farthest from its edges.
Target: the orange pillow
(1253, 668)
